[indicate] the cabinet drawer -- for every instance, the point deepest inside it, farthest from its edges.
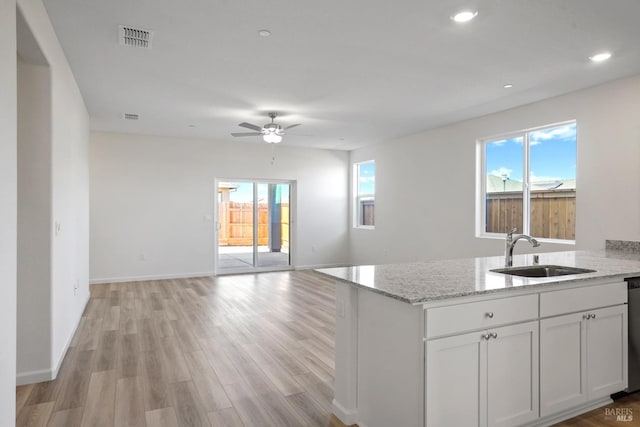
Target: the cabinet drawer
(572, 300)
(480, 315)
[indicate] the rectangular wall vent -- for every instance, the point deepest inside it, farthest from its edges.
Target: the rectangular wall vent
(135, 37)
(131, 116)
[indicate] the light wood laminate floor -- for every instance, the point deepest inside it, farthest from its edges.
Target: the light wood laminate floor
(245, 350)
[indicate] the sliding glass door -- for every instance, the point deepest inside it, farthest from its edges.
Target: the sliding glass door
(253, 226)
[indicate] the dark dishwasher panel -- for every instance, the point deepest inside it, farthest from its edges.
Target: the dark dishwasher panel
(634, 334)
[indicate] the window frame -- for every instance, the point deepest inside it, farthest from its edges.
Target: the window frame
(481, 183)
(359, 198)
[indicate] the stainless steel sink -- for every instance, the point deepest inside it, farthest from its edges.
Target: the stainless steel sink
(542, 271)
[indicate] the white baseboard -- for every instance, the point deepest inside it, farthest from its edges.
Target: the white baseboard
(314, 266)
(188, 275)
(570, 413)
(348, 417)
(31, 377)
(70, 337)
(149, 277)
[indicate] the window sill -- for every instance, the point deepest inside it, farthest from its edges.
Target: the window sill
(539, 239)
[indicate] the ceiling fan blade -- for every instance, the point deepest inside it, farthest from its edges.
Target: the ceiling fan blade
(250, 126)
(246, 133)
(292, 126)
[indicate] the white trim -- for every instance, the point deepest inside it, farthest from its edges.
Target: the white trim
(365, 227)
(293, 188)
(315, 266)
(70, 338)
(481, 183)
(50, 374)
(256, 270)
(357, 197)
(34, 377)
(123, 279)
(574, 412)
(526, 184)
(150, 277)
(507, 135)
(347, 417)
(499, 236)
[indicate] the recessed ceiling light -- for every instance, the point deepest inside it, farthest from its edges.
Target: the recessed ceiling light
(599, 57)
(464, 16)
(508, 86)
(264, 33)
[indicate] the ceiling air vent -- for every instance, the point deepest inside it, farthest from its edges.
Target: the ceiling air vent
(135, 37)
(131, 116)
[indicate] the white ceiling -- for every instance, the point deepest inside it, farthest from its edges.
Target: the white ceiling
(353, 72)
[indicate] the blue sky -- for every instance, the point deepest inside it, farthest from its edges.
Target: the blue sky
(367, 178)
(553, 155)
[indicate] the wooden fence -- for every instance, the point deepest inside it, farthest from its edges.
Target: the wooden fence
(368, 212)
(553, 213)
(236, 224)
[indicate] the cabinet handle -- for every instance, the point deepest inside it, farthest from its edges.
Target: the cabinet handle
(489, 314)
(586, 316)
(493, 335)
(485, 336)
(593, 316)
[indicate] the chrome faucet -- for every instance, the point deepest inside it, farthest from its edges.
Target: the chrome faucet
(510, 243)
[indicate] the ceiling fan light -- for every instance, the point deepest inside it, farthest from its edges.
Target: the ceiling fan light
(272, 138)
(464, 16)
(600, 57)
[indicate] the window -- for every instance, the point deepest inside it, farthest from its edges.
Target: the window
(528, 182)
(365, 190)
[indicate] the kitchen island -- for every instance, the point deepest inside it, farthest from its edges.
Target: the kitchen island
(453, 343)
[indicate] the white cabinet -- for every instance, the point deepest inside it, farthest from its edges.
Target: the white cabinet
(607, 351)
(484, 378)
(583, 355)
(563, 363)
(512, 375)
(456, 381)
(472, 316)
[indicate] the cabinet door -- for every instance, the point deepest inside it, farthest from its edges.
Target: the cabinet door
(512, 375)
(607, 351)
(563, 363)
(456, 381)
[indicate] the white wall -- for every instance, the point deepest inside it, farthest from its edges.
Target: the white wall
(8, 209)
(69, 181)
(150, 195)
(426, 191)
(34, 218)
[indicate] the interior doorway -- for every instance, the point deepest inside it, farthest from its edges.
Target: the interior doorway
(253, 225)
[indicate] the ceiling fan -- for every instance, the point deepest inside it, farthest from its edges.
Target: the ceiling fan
(271, 132)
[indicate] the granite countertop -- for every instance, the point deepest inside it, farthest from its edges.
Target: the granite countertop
(420, 282)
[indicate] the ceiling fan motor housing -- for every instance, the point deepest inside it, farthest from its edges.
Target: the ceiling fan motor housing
(272, 128)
